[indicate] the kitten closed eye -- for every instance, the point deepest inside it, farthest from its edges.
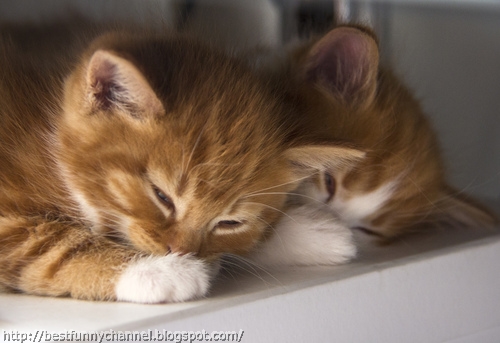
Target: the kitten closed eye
(330, 185)
(164, 199)
(228, 224)
(230, 227)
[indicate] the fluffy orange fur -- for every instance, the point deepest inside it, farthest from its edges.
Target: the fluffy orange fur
(139, 145)
(343, 93)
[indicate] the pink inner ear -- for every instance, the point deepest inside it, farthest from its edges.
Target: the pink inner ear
(101, 78)
(101, 70)
(344, 62)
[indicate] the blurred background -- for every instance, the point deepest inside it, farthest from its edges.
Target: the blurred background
(448, 52)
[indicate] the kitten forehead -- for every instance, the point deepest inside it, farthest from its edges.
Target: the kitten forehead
(214, 163)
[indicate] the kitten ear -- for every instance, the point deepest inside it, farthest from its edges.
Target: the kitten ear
(456, 209)
(115, 83)
(320, 157)
(345, 63)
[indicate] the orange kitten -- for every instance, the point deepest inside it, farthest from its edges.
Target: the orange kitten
(400, 187)
(129, 167)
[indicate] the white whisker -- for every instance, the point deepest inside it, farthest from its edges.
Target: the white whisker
(273, 208)
(255, 268)
(195, 146)
(286, 193)
(282, 184)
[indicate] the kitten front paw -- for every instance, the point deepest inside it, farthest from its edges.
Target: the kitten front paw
(158, 279)
(307, 235)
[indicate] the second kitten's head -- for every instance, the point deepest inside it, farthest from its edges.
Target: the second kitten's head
(177, 147)
(400, 187)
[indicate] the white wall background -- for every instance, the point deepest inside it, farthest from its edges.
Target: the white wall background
(237, 23)
(153, 12)
(450, 55)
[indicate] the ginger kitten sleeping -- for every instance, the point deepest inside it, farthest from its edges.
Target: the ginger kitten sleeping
(128, 168)
(400, 187)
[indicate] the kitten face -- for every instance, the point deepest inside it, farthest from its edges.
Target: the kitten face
(176, 148)
(385, 209)
(400, 185)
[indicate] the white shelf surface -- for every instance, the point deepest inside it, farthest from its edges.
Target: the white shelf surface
(443, 287)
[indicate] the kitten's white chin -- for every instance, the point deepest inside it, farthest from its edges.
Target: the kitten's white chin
(158, 279)
(307, 235)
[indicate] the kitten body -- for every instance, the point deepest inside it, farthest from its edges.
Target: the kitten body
(343, 93)
(130, 166)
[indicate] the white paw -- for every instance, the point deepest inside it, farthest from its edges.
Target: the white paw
(158, 279)
(307, 235)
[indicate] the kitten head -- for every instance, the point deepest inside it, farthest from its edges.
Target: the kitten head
(177, 147)
(400, 185)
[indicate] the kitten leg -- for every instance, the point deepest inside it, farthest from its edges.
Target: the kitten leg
(307, 235)
(61, 259)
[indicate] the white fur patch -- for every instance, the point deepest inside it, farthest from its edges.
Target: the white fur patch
(308, 235)
(158, 279)
(354, 209)
(89, 212)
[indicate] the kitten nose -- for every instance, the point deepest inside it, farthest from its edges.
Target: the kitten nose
(183, 244)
